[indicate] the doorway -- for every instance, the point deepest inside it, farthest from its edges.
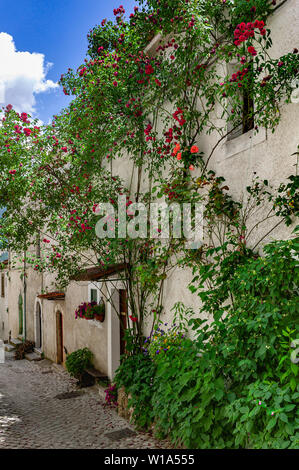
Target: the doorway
(20, 315)
(123, 310)
(59, 337)
(38, 331)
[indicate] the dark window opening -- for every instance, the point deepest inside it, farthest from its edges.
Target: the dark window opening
(93, 295)
(247, 105)
(2, 285)
(248, 110)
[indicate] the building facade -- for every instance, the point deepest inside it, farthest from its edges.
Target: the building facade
(32, 308)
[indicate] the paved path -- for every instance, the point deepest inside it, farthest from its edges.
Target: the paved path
(31, 416)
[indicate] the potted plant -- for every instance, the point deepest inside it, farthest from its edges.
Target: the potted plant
(99, 311)
(86, 310)
(76, 364)
(89, 312)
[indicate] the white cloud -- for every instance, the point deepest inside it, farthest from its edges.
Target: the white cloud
(22, 76)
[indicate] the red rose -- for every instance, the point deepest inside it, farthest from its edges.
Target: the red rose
(194, 149)
(149, 69)
(252, 50)
(24, 117)
(134, 319)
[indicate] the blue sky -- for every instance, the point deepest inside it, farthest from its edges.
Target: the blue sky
(55, 29)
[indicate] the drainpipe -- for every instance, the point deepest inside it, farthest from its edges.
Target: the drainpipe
(24, 303)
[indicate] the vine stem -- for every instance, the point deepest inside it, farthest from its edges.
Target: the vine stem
(266, 234)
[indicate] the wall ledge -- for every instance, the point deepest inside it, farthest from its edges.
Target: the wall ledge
(243, 142)
(95, 323)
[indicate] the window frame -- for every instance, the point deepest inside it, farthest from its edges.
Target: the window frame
(94, 286)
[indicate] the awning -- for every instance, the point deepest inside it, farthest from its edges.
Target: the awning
(95, 273)
(52, 296)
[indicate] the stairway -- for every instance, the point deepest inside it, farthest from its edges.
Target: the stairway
(9, 347)
(33, 356)
(14, 342)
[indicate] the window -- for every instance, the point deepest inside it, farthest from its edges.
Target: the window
(248, 109)
(94, 291)
(2, 285)
(247, 104)
(93, 295)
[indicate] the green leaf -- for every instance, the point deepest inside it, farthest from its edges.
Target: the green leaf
(289, 407)
(271, 423)
(283, 417)
(244, 409)
(219, 394)
(293, 384)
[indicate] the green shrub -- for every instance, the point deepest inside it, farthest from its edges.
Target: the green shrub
(235, 386)
(136, 375)
(265, 417)
(161, 340)
(78, 361)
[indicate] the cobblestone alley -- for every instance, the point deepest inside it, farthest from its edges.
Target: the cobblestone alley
(32, 417)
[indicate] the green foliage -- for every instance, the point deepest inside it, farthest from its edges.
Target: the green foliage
(136, 374)
(78, 361)
(286, 202)
(265, 417)
(161, 341)
(205, 393)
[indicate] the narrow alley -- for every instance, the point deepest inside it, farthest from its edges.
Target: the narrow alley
(36, 412)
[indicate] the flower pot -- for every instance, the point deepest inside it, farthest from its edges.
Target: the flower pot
(99, 317)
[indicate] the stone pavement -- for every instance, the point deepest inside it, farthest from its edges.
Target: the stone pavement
(31, 417)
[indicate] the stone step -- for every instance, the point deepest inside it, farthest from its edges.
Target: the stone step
(96, 374)
(38, 352)
(15, 341)
(9, 355)
(9, 348)
(32, 357)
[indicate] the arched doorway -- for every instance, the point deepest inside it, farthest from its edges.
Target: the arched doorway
(59, 337)
(20, 314)
(38, 327)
